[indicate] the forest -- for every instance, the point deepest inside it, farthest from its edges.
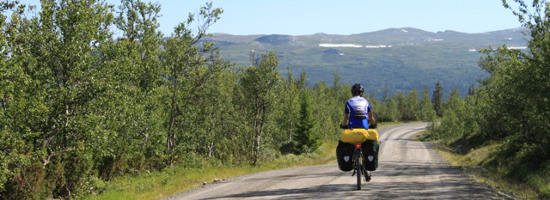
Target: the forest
(510, 110)
(80, 105)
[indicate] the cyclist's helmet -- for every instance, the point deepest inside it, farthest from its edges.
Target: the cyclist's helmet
(357, 89)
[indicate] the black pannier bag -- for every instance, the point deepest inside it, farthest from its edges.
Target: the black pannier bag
(344, 153)
(370, 154)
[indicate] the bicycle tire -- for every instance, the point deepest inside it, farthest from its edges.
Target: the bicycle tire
(358, 169)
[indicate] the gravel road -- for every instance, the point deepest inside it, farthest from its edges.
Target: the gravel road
(408, 169)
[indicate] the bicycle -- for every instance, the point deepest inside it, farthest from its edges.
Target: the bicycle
(358, 165)
(359, 168)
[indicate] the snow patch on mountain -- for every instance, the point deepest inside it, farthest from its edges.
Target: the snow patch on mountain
(377, 46)
(434, 40)
(329, 45)
(517, 48)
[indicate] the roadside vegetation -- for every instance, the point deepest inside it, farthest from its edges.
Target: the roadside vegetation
(184, 177)
(503, 125)
(83, 111)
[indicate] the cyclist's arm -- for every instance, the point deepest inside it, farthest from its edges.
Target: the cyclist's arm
(346, 118)
(347, 111)
(371, 117)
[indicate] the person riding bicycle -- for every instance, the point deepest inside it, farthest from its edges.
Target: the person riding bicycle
(358, 111)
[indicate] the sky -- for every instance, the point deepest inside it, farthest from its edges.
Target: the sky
(302, 17)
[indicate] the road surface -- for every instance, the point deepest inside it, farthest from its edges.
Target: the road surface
(408, 170)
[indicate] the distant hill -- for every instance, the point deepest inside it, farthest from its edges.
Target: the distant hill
(397, 58)
(275, 39)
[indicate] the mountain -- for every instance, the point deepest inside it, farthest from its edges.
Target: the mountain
(275, 39)
(399, 59)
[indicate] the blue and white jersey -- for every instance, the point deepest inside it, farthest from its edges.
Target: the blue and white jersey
(357, 107)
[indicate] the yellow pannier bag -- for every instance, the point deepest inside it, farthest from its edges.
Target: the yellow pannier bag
(358, 135)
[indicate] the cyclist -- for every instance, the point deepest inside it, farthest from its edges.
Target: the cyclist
(358, 113)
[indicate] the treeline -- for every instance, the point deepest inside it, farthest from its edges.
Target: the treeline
(406, 107)
(511, 108)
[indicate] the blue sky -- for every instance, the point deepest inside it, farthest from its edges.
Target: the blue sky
(298, 17)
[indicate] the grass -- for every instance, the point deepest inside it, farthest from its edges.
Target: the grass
(174, 180)
(473, 162)
(170, 181)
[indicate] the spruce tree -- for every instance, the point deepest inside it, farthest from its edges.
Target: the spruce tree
(427, 112)
(471, 90)
(306, 139)
(437, 98)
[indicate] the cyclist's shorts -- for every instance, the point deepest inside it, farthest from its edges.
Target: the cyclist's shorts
(358, 135)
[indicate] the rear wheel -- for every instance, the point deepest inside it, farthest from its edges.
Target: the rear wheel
(358, 169)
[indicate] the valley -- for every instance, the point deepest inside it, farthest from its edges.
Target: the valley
(399, 59)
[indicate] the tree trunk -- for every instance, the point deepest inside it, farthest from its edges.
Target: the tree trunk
(170, 139)
(257, 148)
(290, 131)
(210, 149)
(257, 136)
